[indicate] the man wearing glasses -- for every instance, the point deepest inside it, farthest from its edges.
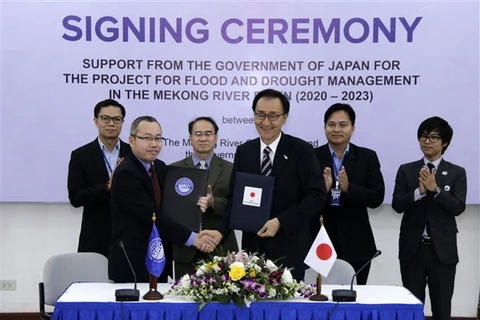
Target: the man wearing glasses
(203, 138)
(299, 190)
(430, 193)
(136, 194)
(89, 176)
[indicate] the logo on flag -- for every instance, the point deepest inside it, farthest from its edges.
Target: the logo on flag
(321, 255)
(155, 259)
(252, 196)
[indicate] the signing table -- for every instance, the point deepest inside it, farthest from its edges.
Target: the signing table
(82, 301)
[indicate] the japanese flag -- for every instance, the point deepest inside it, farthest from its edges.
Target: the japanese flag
(322, 255)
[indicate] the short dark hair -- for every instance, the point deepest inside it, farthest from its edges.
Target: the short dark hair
(108, 103)
(340, 107)
(209, 119)
(136, 123)
(272, 94)
(436, 124)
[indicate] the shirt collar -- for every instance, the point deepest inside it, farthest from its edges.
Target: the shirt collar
(344, 153)
(272, 145)
(196, 160)
(103, 147)
(436, 163)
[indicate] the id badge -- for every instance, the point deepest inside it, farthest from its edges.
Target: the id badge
(336, 192)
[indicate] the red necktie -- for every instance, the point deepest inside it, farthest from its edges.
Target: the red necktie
(156, 185)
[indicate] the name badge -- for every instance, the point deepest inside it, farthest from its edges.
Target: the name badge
(336, 193)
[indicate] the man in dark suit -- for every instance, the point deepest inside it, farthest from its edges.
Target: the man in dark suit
(430, 193)
(136, 195)
(203, 137)
(354, 183)
(89, 176)
(299, 188)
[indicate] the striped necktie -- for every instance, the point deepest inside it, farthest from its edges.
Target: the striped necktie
(266, 167)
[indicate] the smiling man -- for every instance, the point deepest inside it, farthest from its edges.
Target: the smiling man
(430, 193)
(203, 133)
(89, 176)
(136, 194)
(354, 183)
(298, 191)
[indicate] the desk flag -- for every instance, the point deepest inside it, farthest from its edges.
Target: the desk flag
(155, 259)
(322, 254)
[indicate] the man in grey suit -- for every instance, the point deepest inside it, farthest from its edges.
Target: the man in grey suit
(430, 192)
(203, 137)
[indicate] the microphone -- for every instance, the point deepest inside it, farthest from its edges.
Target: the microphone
(127, 294)
(351, 295)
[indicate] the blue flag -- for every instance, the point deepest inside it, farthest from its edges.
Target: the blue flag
(155, 259)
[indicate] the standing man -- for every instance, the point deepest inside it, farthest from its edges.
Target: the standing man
(299, 188)
(203, 137)
(136, 194)
(89, 176)
(354, 183)
(430, 193)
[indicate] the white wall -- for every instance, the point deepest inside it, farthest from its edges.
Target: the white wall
(30, 233)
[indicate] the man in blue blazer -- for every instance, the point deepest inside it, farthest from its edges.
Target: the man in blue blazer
(299, 190)
(353, 175)
(430, 193)
(89, 176)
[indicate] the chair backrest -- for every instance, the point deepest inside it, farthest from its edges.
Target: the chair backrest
(341, 273)
(62, 270)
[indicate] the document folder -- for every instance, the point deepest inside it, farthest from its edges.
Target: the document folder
(252, 201)
(183, 186)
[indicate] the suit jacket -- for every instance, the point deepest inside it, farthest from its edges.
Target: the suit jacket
(348, 225)
(438, 211)
(219, 178)
(298, 195)
(87, 178)
(133, 203)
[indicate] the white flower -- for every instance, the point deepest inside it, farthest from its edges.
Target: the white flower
(241, 256)
(287, 276)
(201, 271)
(185, 281)
(271, 266)
(257, 268)
(238, 264)
(271, 293)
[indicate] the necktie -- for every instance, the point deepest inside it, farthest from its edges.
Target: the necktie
(156, 185)
(430, 166)
(266, 167)
(203, 164)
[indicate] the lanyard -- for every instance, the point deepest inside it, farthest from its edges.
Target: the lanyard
(109, 167)
(336, 169)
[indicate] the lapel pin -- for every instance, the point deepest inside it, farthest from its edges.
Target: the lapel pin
(444, 173)
(285, 156)
(446, 188)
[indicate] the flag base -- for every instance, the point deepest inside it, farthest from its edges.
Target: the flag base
(153, 294)
(318, 297)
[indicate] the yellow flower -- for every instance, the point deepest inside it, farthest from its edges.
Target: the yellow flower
(252, 273)
(211, 265)
(236, 272)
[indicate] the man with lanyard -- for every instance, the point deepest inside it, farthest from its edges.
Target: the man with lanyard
(89, 176)
(354, 183)
(203, 137)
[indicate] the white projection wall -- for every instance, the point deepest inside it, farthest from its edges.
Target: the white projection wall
(396, 63)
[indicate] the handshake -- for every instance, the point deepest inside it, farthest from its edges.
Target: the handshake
(207, 240)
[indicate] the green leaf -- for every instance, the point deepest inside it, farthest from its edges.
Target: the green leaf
(223, 298)
(200, 307)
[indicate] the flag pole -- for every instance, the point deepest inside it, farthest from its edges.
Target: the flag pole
(152, 293)
(319, 296)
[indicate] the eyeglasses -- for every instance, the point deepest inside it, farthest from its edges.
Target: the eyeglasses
(107, 119)
(206, 134)
(432, 139)
(272, 116)
(158, 140)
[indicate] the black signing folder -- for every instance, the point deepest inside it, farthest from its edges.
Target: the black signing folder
(183, 186)
(252, 201)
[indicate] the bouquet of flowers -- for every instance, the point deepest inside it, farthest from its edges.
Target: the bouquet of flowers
(239, 277)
